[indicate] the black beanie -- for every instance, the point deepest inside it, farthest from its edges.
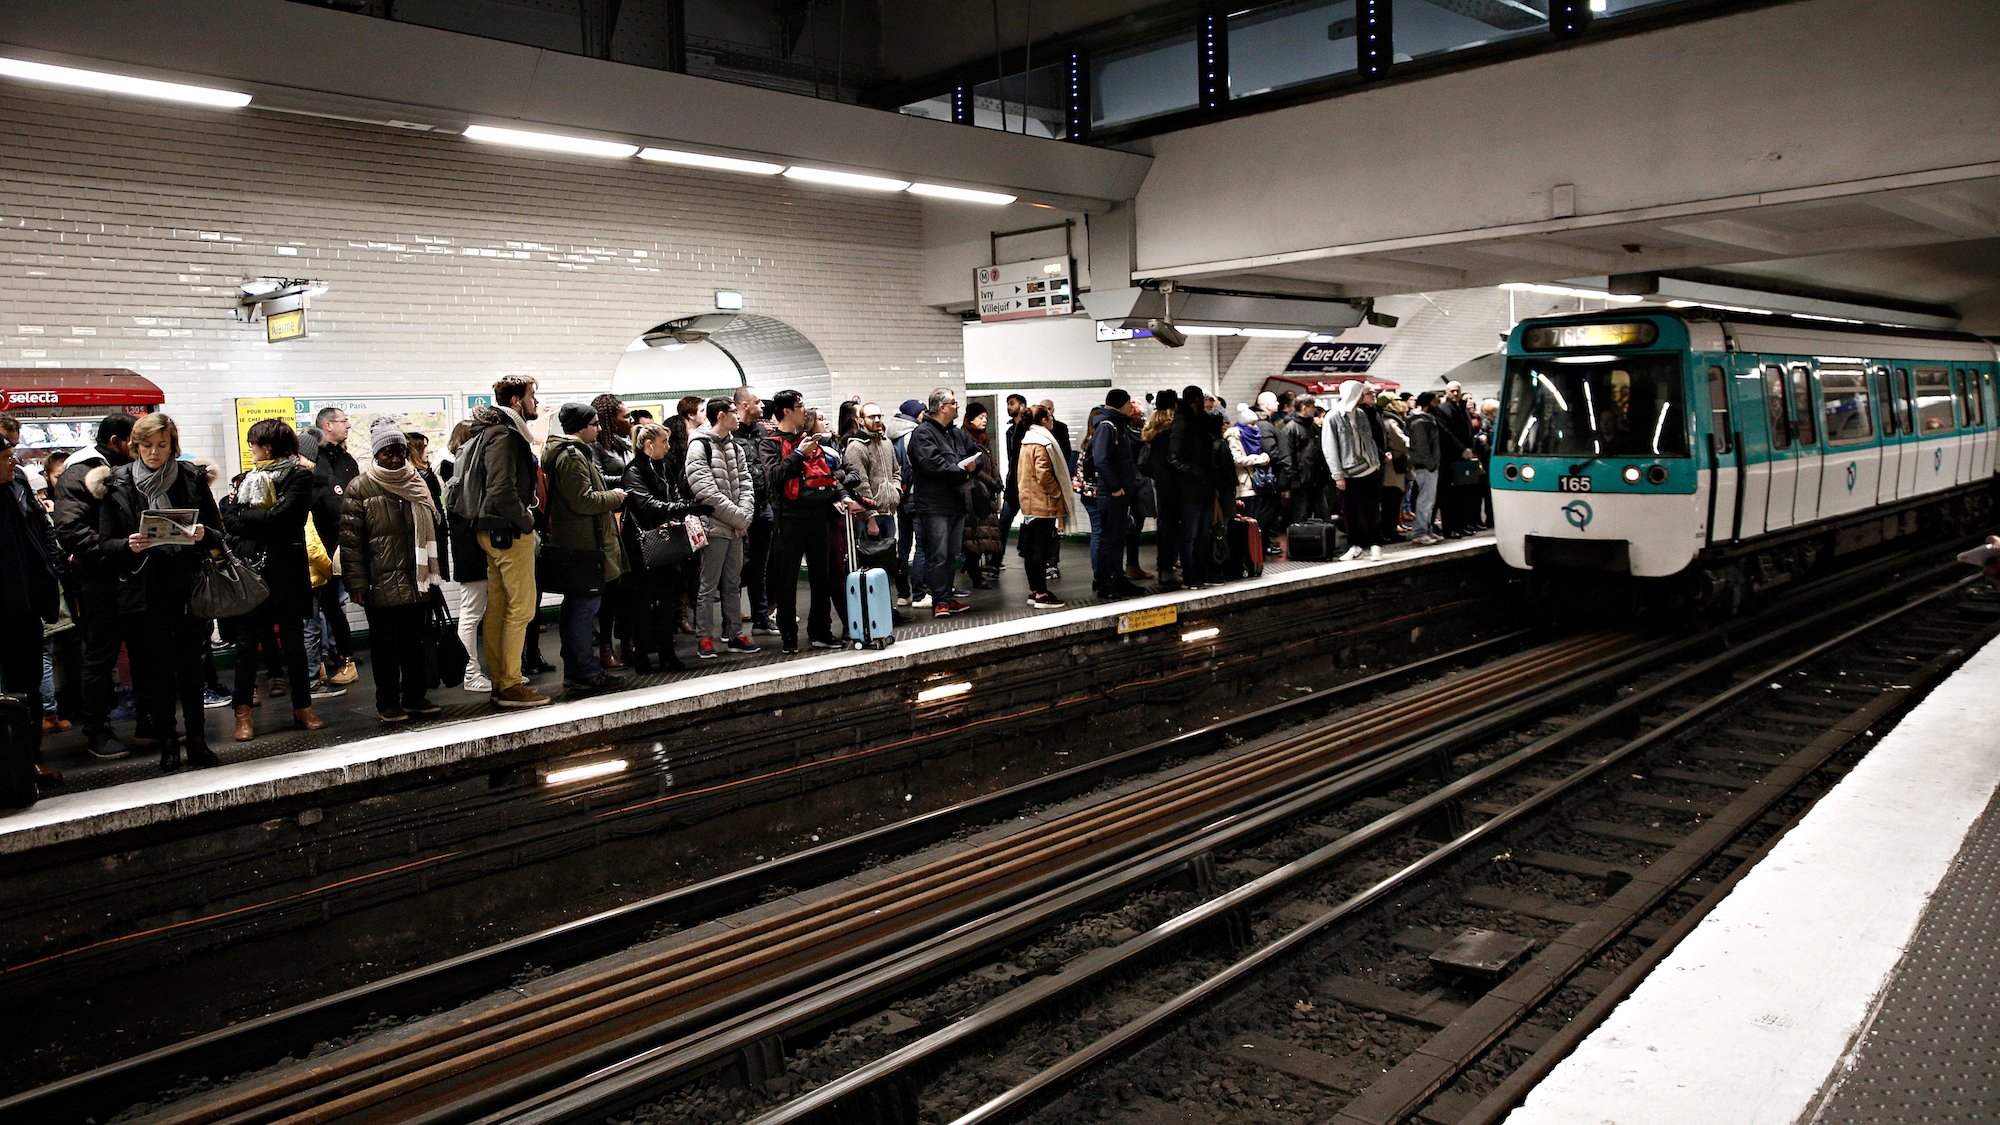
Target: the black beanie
(574, 416)
(1166, 400)
(1117, 398)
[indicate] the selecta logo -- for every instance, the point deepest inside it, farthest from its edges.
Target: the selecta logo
(30, 398)
(1578, 513)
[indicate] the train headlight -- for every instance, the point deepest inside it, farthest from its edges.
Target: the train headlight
(1527, 472)
(1657, 474)
(1631, 474)
(1511, 471)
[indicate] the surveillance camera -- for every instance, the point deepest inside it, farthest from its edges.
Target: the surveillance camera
(1165, 332)
(1382, 320)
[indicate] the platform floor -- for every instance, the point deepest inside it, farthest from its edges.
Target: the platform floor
(1853, 976)
(109, 796)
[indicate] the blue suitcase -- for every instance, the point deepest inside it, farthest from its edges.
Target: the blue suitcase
(871, 621)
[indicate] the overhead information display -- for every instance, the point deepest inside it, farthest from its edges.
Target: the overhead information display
(1019, 290)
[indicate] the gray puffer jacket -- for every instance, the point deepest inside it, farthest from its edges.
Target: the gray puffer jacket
(718, 475)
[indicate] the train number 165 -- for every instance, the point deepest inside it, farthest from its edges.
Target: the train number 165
(1573, 484)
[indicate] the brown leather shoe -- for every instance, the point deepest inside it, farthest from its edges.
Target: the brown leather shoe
(47, 776)
(245, 730)
(608, 656)
(305, 718)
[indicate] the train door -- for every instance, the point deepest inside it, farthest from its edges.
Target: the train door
(1882, 395)
(1805, 445)
(1780, 472)
(1971, 426)
(1982, 383)
(1753, 451)
(1852, 462)
(1910, 450)
(1937, 427)
(1725, 469)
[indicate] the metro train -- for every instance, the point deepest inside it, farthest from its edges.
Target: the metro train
(1730, 453)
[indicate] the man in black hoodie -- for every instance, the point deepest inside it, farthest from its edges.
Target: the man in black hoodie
(1115, 474)
(96, 586)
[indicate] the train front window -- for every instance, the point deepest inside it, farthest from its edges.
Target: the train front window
(1595, 406)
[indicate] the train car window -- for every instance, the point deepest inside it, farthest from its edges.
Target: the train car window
(1843, 396)
(1774, 400)
(1934, 400)
(1802, 412)
(1718, 410)
(1601, 406)
(1968, 398)
(1902, 403)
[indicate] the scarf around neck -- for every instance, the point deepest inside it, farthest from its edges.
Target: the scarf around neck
(408, 483)
(154, 484)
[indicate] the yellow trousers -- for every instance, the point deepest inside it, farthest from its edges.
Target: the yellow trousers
(511, 600)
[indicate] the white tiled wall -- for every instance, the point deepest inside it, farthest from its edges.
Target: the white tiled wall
(125, 227)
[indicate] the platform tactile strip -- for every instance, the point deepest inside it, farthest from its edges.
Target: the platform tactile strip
(1932, 1051)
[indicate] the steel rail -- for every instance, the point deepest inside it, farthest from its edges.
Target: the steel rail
(257, 1042)
(1058, 1079)
(594, 1011)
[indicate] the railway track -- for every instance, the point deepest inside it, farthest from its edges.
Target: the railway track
(739, 999)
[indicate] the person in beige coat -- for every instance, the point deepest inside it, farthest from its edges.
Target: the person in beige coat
(1396, 465)
(1043, 482)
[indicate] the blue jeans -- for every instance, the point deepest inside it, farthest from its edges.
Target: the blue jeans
(578, 628)
(1111, 523)
(316, 636)
(1008, 510)
(939, 536)
(1426, 499)
(48, 678)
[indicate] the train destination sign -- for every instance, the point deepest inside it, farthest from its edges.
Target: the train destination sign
(1021, 290)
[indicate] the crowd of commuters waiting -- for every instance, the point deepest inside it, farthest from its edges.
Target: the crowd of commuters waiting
(648, 529)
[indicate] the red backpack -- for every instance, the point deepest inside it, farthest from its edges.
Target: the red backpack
(818, 476)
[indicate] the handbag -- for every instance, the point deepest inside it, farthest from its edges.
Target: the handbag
(445, 658)
(1466, 472)
(667, 544)
(225, 586)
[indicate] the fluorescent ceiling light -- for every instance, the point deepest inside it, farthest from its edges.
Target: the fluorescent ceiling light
(1275, 333)
(845, 179)
(967, 195)
(584, 773)
(704, 160)
(122, 84)
(1207, 329)
(1571, 291)
(547, 142)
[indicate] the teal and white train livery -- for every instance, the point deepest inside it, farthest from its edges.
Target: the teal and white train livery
(1738, 449)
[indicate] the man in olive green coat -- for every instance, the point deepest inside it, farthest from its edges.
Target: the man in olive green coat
(581, 553)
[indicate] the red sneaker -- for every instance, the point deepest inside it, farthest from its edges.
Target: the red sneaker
(946, 609)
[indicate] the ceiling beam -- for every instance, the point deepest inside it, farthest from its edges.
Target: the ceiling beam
(1942, 213)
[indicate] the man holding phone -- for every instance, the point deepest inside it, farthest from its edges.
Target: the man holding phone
(806, 496)
(940, 457)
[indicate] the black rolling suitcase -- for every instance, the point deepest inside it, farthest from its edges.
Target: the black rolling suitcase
(20, 744)
(1310, 541)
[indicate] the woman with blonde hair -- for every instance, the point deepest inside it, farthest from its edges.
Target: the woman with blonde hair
(155, 577)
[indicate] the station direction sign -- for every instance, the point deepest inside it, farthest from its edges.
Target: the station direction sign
(1021, 290)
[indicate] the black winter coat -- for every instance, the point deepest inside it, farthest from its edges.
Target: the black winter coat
(652, 497)
(30, 557)
(275, 538)
(76, 525)
(1190, 460)
(157, 581)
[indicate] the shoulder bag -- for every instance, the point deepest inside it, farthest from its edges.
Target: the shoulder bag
(445, 658)
(668, 544)
(1466, 472)
(225, 586)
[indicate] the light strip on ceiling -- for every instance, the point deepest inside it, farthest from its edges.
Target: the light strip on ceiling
(548, 142)
(122, 84)
(1275, 333)
(844, 179)
(967, 195)
(704, 160)
(1207, 329)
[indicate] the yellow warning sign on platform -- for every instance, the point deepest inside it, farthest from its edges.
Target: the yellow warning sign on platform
(1148, 618)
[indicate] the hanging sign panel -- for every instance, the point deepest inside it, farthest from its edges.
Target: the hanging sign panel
(1020, 290)
(1334, 358)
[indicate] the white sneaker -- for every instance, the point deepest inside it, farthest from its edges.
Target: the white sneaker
(1352, 554)
(477, 681)
(903, 600)
(1374, 554)
(921, 603)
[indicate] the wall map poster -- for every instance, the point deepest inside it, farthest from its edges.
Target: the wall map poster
(426, 414)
